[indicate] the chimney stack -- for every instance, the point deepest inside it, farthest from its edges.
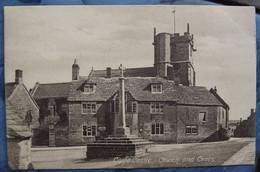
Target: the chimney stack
(188, 27)
(215, 89)
(75, 70)
(252, 111)
(109, 75)
(18, 76)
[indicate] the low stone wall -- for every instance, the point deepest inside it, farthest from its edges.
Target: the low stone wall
(19, 154)
(108, 151)
(117, 147)
(61, 136)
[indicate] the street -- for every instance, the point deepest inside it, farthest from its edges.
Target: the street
(232, 152)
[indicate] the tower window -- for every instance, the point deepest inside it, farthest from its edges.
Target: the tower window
(156, 88)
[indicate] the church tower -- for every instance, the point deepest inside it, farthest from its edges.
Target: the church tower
(182, 47)
(173, 57)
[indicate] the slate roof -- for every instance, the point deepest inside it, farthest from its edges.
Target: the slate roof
(197, 96)
(14, 124)
(52, 90)
(219, 98)
(9, 88)
(129, 72)
(140, 89)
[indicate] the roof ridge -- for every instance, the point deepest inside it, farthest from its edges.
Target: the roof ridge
(55, 83)
(126, 68)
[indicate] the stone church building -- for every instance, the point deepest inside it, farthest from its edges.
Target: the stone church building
(162, 103)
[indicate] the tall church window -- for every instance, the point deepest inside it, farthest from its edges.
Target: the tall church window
(88, 131)
(131, 106)
(157, 128)
(134, 107)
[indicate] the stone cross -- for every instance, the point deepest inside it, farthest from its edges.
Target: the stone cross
(122, 70)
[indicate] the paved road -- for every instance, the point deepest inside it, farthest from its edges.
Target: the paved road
(160, 155)
(244, 156)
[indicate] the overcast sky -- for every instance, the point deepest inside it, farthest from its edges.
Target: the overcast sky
(43, 41)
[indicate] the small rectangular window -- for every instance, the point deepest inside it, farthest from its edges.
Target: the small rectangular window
(89, 107)
(191, 129)
(202, 116)
(88, 131)
(157, 128)
(156, 88)
(89, 88)
(157, 107)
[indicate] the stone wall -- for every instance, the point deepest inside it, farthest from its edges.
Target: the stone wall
(77, 119)
(19, 154)
(252, 125)
(22, 102)
(189, 115)
(61, 111)
(180, 51)
(61, 135)
(168, 118)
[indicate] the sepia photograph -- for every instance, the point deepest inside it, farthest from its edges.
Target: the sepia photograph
(107, 87)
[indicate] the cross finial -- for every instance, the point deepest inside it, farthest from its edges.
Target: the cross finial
(122, 70)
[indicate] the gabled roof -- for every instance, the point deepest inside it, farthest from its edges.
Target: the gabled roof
(219, 98)
(197, 96)
(129, 72)
(14, 124)
(138, 87)
(9, 88)
(52, 90)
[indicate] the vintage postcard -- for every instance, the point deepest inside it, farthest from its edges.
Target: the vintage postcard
(130, 86)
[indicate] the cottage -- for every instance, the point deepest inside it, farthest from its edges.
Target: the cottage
(162, 103)
(19, 98)
(22, 115)
(247, 127)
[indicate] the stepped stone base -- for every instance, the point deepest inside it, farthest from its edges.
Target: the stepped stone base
(123, 131)
(117, 146)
